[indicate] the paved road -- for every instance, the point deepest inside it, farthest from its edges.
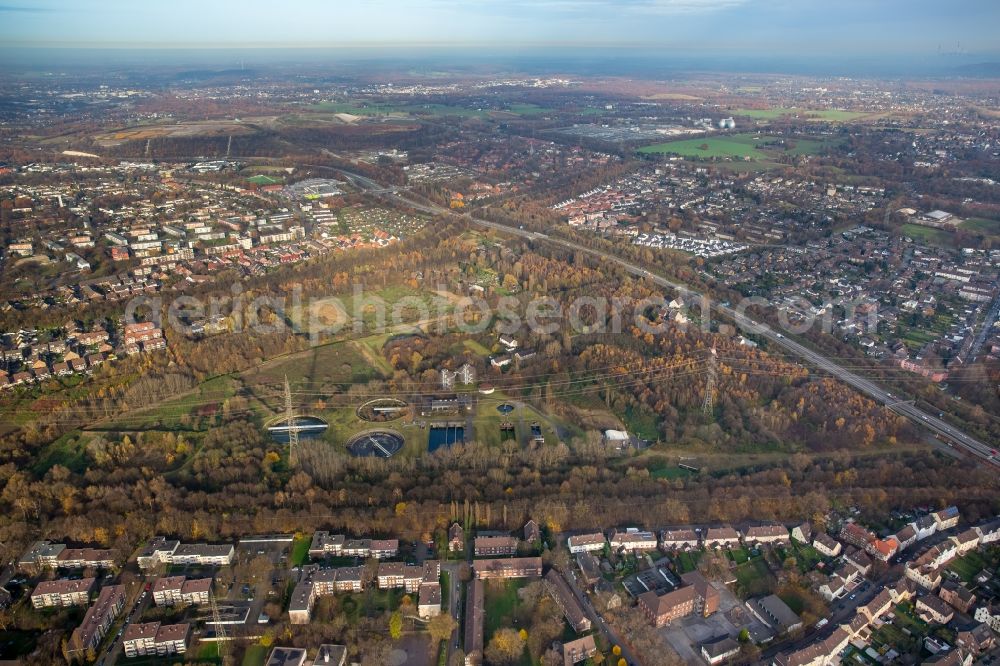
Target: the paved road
(454, 604)
(952, 434)
(991, 317)
(598, 621)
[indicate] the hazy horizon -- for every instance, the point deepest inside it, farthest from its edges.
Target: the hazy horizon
(800, 28)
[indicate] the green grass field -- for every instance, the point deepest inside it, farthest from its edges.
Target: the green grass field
(753, 578)
(300, 549)
(981, 225)
(255, 655)
(830, 115)
(688, 561)
(736, 145)
(969, 565)
(758, 147)
(928, 235)
(500, 603)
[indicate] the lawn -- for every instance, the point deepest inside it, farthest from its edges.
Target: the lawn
(928, 235)
(255, 655)
(734, 145)
(300, 550)
(739, 555)
(968, 565)
(500, 603)
(761, 148)
(753, 578)
(831, 115)
(476, 348)
(661, 469)
(68, 451)
(204, 400)
(981, 225)
(806, 556)
(688, 560)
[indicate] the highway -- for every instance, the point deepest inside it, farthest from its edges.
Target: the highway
(965, 442)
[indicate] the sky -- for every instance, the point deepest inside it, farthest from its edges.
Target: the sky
(816, 27)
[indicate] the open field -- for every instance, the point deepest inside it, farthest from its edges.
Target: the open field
(173, 130)
(829, 115)
(751, 146)
(928, 235)
(981, 225)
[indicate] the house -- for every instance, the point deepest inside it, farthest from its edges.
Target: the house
(823, 652)
(906, 537)
(590, 568)
(99, 617)
(775, 613)
(766, 534)
(826, 545)
(331, 655)
(721, 537)
(323, 544)
(495, 545)
(509, 342)
(394, 575)
(833, 588)
(679, 539)
(517, 567)
(632, 539)
(532, 533)
(706, 596)
(315, 583)
(966, 541)
(859, 560)
(975, 639)
(429, 600)
(883, 549)
(925, 527)
(957, 596)
(456, 538)
(578, 650)
(500, 361)
(989, 615)
(179, 591)
(475, 617)
(662, 610)
(802, 533)
(203, 554)
(384, 548)
(933, 609)
(856, 535)
(574, 613)
(157, 551)
(155, 639)
(286, 656)
(950, 658)
(580, 543)
(878, 606)
(86, 558)
(946, 518)
(989, 532)
(720, 648)
(59, 593)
